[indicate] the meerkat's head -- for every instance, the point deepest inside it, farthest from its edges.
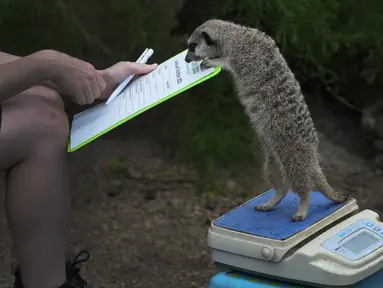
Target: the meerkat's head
(224, 40)
(204, 42)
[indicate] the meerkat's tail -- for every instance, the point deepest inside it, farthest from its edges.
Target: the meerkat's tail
(321, 183)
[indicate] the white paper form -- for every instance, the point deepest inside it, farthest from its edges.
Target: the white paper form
(169, 77)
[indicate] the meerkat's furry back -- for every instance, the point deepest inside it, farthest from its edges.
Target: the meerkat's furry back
(274, 103)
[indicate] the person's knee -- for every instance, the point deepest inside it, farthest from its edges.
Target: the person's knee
(50, 125)
(39, 121)
(32, 126)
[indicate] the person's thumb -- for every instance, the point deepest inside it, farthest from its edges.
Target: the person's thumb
(140, 68)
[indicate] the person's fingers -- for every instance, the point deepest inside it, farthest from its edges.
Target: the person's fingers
(140, 68)
(89, 96)
(95, 88)
(81, 99)
(79, 96)
(100, 81)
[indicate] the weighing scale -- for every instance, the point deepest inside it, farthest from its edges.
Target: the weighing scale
(336, 246)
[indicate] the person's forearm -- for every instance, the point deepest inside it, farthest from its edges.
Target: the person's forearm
(6, 58)
(21, 74)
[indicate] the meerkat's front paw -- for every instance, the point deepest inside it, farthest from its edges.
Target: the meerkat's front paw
(263, 207)
(206, 64)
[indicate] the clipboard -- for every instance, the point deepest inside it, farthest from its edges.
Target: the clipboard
(169, 79)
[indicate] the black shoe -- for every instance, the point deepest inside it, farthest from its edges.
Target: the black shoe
(74, 280)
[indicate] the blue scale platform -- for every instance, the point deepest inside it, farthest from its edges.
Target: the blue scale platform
(276, 224)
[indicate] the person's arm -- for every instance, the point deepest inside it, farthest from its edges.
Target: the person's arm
(5, 58)
(73, 77)
(22, 73)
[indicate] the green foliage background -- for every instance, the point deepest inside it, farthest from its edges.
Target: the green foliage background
(101, 32)
(335, 47)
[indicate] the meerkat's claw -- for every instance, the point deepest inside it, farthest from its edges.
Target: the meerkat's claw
(263, 207)
(298, 217)
(206, 64)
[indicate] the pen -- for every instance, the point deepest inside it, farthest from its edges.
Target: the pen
(142, 59)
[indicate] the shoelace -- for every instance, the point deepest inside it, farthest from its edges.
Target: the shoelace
(73, 275)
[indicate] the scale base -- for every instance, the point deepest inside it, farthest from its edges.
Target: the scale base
(270, 235)
(241, 266)
(272, 246)
(311, 265)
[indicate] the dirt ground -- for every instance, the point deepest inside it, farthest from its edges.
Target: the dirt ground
(142, 218)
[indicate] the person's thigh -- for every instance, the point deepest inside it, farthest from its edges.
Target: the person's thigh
(29, 121)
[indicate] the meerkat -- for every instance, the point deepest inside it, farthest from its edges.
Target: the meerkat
(273, 101)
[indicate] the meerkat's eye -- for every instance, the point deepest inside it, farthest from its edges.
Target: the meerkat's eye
(192, 47)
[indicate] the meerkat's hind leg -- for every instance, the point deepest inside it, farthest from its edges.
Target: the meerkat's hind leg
(303, 209)
(267, 161)
(280, 193)
(299, 177)
(279, 184)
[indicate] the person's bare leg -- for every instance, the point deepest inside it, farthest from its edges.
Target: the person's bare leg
(33, 139)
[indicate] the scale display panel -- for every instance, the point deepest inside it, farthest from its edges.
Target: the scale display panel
(357, 240)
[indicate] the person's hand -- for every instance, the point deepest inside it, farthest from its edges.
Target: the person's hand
(117, 73)
(73, 77)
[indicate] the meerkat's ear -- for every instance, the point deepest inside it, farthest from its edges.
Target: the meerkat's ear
(208, 39)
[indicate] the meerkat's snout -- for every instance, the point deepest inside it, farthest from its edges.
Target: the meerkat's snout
(188, 57)
(191, 56)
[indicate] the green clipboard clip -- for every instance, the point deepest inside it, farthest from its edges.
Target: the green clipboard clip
(200, 80)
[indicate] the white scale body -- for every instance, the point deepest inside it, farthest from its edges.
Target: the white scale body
(337, 251)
